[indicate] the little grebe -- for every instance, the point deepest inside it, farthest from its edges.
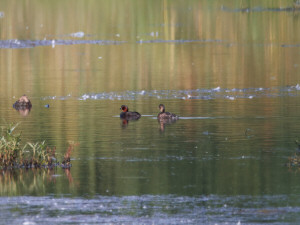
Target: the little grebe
(165, 115)
(125, 114)
(23, 103)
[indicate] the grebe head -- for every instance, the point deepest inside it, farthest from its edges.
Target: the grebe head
(24, 98)
(161, 108)
(124, 108)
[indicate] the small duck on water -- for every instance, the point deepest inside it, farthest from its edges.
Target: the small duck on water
(126, 114)
(165, 115)
(22, 103)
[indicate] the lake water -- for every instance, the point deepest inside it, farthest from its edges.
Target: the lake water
(229, 69)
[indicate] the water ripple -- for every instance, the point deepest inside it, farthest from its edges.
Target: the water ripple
(150, 209)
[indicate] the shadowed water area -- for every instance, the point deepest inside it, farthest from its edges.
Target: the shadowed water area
(229, 69)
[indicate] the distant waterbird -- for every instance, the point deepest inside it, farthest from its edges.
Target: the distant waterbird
(126, 114)
(22, 103)
(163, 115)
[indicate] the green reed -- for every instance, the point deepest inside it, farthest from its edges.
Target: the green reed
(30, 155)
(294, 160)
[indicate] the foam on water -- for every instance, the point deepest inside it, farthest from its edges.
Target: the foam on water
(15, 43)
(78, 34)
(72, 39)
(194, 94)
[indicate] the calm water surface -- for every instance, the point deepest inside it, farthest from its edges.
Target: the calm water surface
(229, 69)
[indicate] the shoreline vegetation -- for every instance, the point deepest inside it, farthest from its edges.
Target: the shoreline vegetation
(14, 155)
(294, 161)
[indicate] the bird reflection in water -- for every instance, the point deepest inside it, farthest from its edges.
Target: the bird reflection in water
(125, 122)
(164, 122)
(24, 112)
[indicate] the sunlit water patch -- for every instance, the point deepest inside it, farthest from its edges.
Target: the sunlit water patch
(149, 209)
(203, 94)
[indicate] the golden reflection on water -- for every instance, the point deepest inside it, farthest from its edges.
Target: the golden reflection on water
(242, 49)
(34, 181)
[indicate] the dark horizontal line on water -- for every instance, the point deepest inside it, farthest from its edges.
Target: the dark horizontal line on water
(183, 118)
(154, 117)
(290, 46)
(260, 9)
(132, 177)
(117, 116)
(199, 118)
(194, 118)
(177, 41)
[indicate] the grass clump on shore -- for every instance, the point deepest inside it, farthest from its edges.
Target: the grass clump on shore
(31, 155)
(294, 161)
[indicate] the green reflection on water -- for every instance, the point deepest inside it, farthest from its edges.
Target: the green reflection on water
(190, 157)
(36, 182)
